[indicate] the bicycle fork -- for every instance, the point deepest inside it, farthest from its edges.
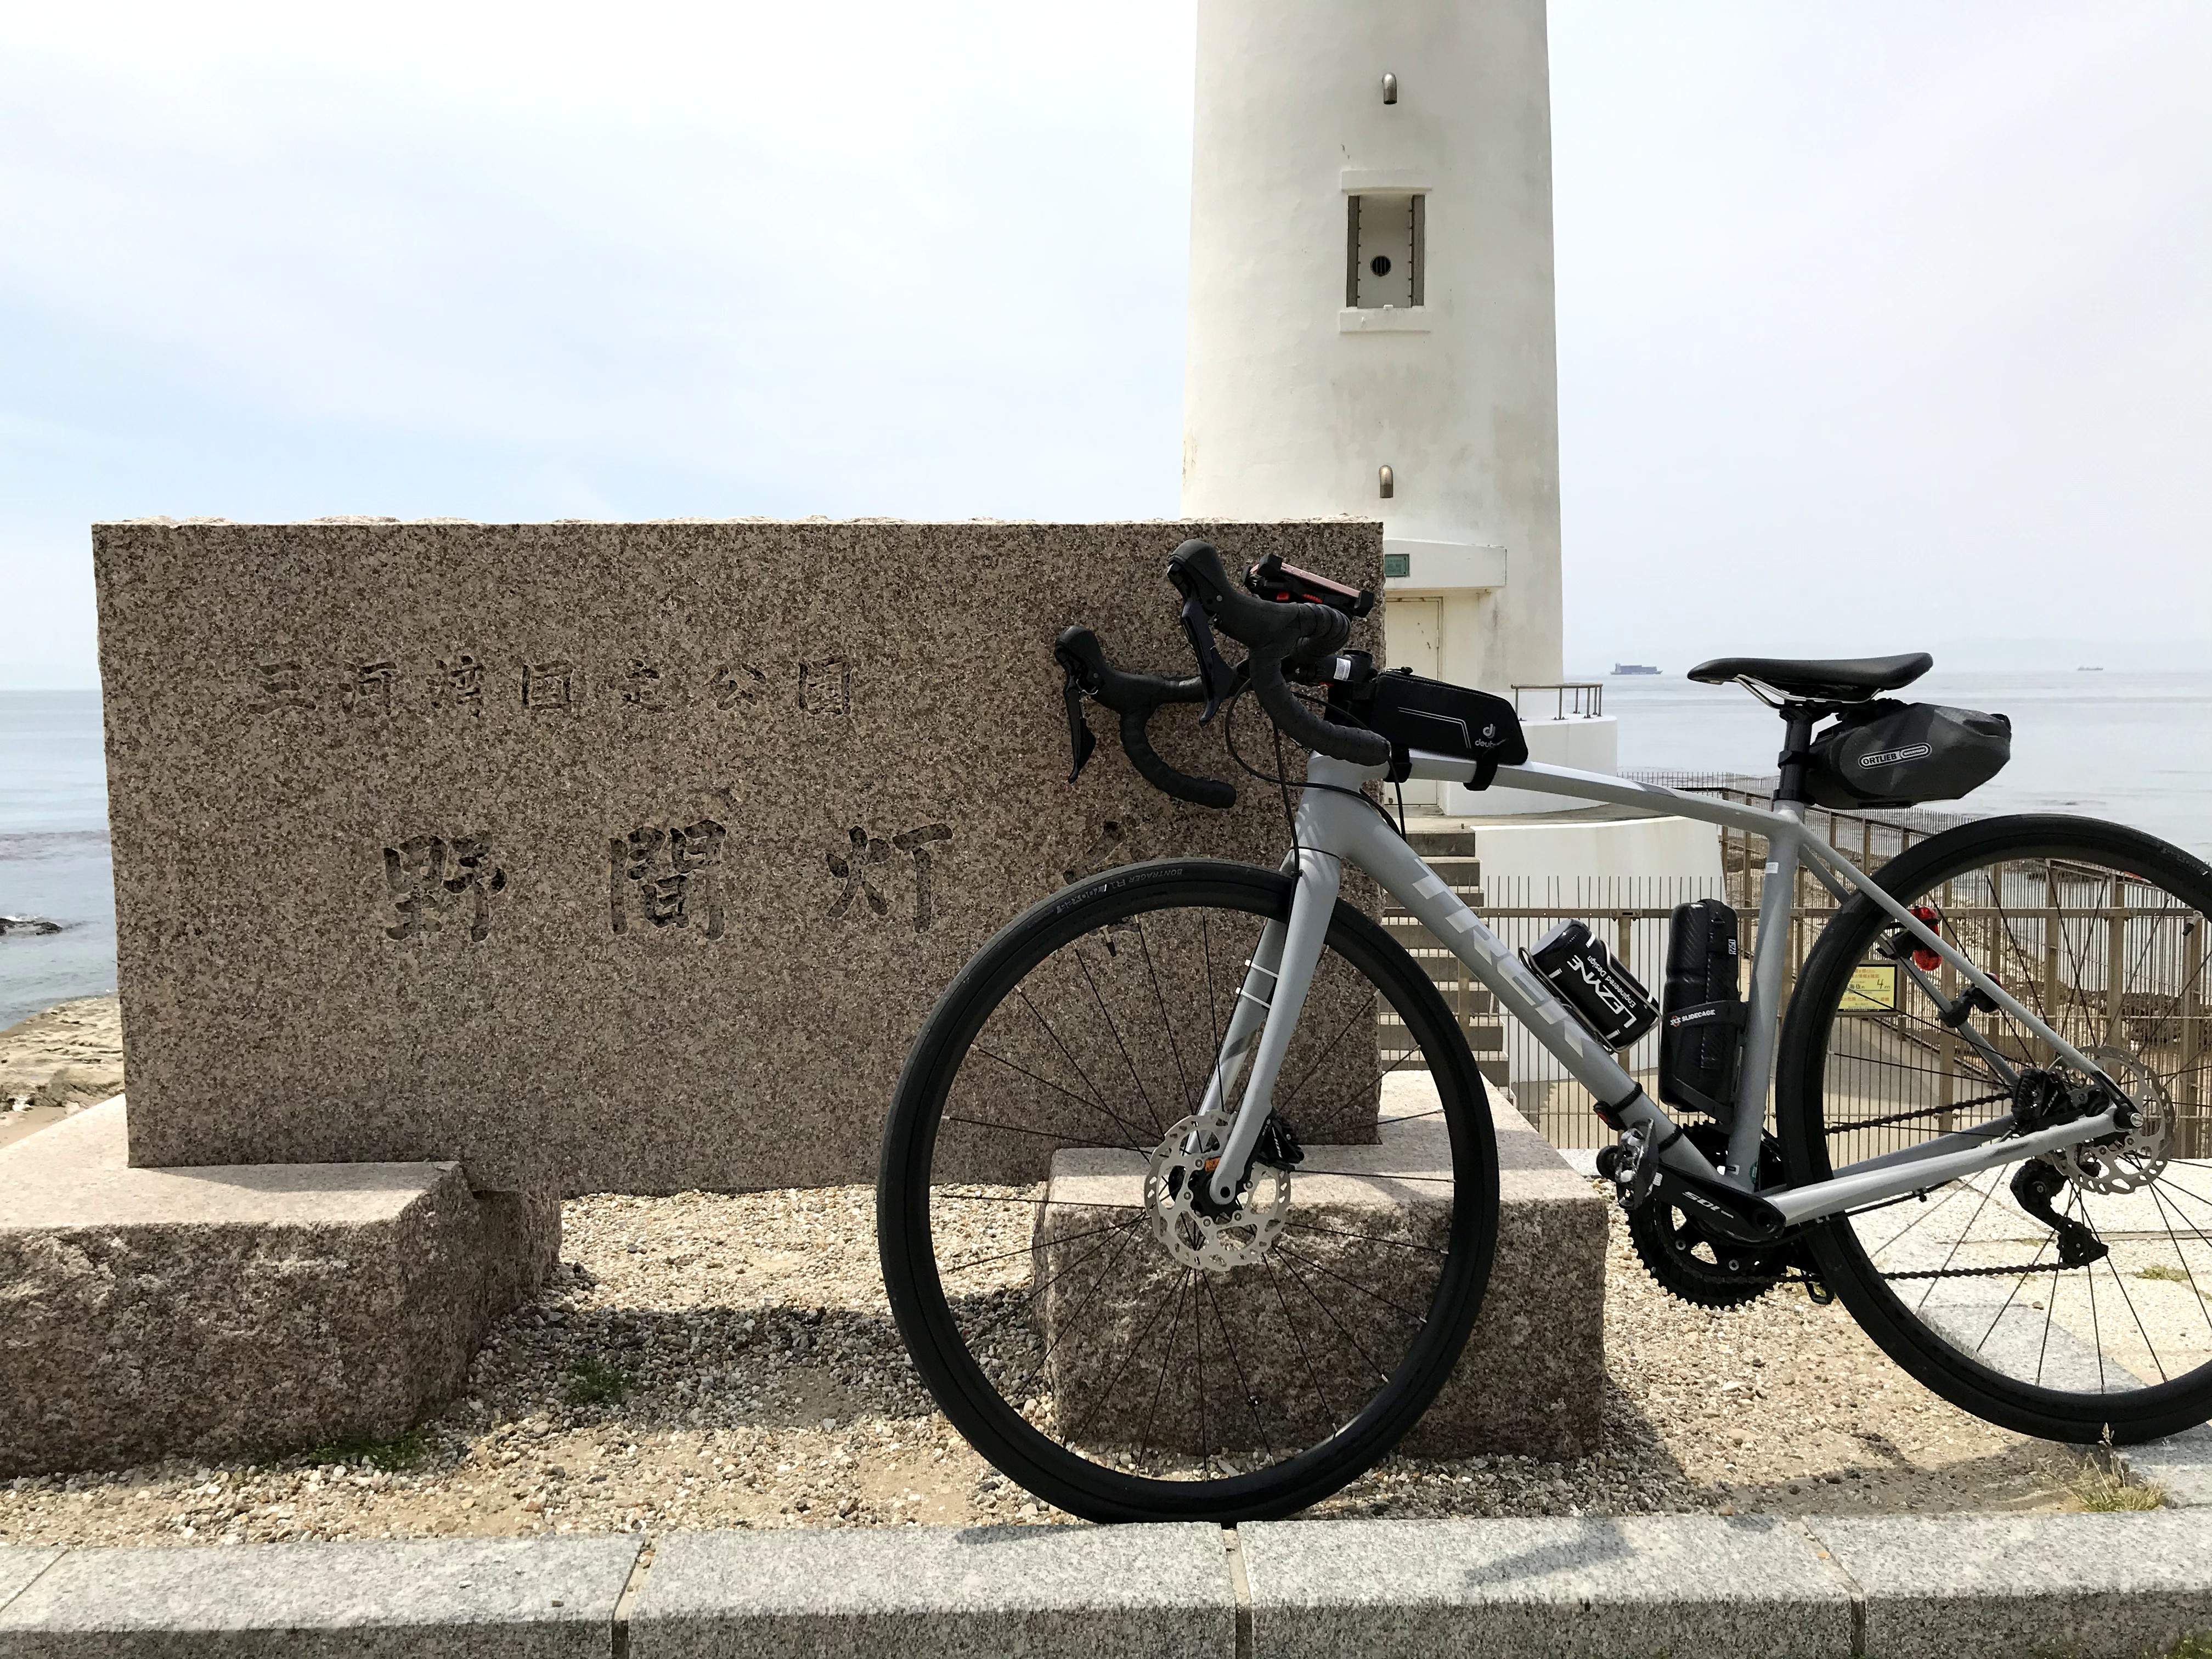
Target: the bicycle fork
(1268, 1002)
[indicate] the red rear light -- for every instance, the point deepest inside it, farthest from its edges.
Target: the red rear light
(1924, 959)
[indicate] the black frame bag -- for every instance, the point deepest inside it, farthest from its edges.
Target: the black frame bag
(1887, 753)
(1414, 713)
(1701, 1029)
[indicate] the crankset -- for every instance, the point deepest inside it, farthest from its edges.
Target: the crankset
(1689, 1260)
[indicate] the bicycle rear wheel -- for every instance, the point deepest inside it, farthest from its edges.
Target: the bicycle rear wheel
(2098, 1321)
(1081, 1312)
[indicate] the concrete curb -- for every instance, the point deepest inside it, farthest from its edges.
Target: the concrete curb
(1978, 1587)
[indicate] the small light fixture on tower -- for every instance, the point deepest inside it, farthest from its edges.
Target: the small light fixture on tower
(1388, 480)
(1390, 89)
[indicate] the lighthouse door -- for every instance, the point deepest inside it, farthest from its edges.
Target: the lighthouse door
(1413, 637)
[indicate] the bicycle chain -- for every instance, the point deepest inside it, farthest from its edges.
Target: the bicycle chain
(1978, 1273)
(1922, 1111)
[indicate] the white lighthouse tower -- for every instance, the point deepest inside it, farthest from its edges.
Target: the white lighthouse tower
(1371, 321)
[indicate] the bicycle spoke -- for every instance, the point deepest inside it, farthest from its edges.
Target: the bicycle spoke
(1008, 1255)
(1115, 1031)
(1045, 1135)
(1374, 1174)
(1037, 1290)
(1136, 1133)
(1236, 1366)
(1075, 1319)
(1167, 1352)
(1182, 1078)
(1321, 1060)
(1030, 1203)
(1297, 1339)
(1366, 1238)
(1997, 1318)
(1329, 1314)
(1128, 1354)
(1352, 1283)
(2203, 1305)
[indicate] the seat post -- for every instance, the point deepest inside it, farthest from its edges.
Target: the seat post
(1795, 762)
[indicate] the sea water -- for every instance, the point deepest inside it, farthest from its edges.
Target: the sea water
(2133, 747)
(53, 851)
(2136, 747)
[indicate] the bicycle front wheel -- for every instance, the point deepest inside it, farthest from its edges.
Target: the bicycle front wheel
(1083, 1312)
(2069, 1296)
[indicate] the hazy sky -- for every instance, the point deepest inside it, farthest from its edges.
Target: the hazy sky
(1880, 325)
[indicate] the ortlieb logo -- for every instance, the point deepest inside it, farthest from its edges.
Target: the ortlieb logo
(1894, 756)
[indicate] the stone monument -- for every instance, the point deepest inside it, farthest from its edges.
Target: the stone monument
(595, 857)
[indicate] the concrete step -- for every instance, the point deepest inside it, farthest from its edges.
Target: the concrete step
(1413, 935)
(1483, 1036)
(1470, 896)
(1429, 843)
(1453, 866)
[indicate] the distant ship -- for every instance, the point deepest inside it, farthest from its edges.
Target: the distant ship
(1633, 668)
(2090, 668)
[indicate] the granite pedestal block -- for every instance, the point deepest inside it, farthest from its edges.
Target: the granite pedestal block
(212, 1311)
(1305, 1336)
(609, 857)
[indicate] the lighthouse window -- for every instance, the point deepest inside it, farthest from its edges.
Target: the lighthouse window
(1383, 250)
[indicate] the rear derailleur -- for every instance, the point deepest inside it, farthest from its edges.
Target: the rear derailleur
(1685, 1254)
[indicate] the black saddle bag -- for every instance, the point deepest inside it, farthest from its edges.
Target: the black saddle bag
(1701, 1024)
(1899, 754)
(1414, 713)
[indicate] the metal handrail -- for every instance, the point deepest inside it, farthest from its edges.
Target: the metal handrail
(1568, 698)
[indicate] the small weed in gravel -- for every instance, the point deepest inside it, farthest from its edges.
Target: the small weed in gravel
(594, 1383)
(401, 1451)
(2102, 1490)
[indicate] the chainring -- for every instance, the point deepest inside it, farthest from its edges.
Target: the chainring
(1687, 1262)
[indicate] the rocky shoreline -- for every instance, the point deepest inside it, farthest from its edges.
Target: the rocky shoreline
(54, 1062)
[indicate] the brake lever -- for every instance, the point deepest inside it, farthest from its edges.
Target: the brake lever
(1078, 729)
(1216, 676)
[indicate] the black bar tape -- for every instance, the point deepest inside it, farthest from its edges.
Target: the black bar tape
(1200, 791)
(1275, 634)
(1135, 698)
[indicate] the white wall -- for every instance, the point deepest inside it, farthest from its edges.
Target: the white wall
(1588, 853)
(1291, 403)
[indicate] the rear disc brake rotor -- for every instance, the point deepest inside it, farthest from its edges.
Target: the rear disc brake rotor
(2135, 1157)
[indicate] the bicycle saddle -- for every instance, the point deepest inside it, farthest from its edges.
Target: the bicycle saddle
(1840, 679)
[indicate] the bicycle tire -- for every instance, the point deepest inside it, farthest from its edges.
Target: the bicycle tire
(1828, 1053)
(939, 1343)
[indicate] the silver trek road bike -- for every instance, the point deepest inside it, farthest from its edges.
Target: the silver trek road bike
(1190, 1189)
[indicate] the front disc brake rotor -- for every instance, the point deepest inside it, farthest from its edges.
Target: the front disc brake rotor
(1197, 1232)
(2135, 1157)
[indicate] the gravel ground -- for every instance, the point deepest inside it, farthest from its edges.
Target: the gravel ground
(672, 1375)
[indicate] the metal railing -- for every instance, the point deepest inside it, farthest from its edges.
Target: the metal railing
(1571, 699)
(2111, 967)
